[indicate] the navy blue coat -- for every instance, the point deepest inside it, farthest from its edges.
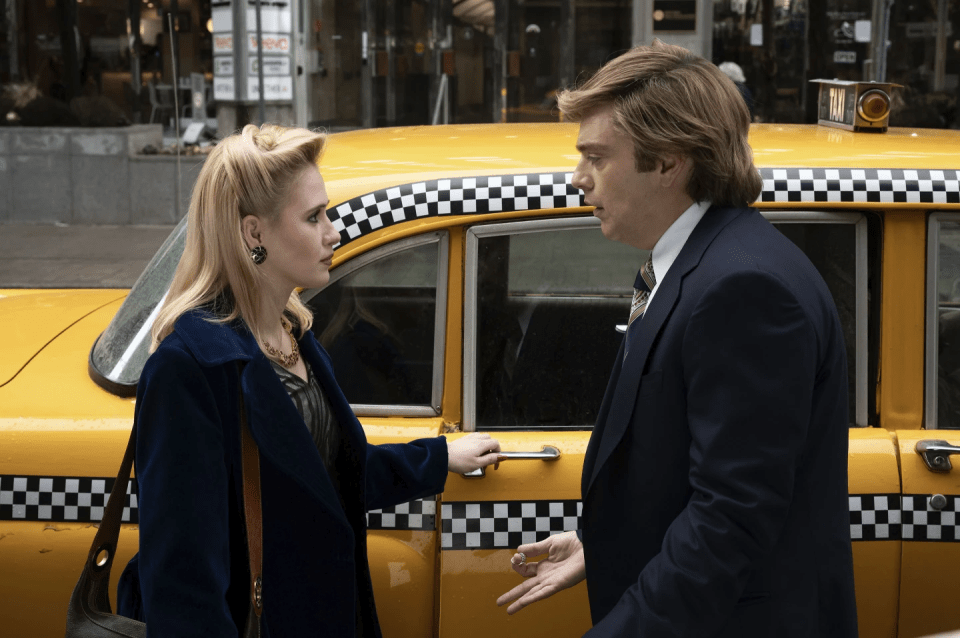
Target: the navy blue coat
(715, 481)
(191, 577)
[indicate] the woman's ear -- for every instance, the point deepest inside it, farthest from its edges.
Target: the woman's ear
(250, 228)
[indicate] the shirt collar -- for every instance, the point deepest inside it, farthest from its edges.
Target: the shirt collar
(671, 242)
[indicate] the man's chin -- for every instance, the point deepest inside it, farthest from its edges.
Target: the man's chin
(607, 229)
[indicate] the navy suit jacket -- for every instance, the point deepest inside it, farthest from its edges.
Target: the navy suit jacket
(715, 482)
(191, 577)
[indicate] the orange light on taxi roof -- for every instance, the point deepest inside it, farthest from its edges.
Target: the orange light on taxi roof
(873, 105)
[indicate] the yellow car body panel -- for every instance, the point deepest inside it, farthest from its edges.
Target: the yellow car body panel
(55, 421)
(874, 469)
(928, 599)
(31, 319)
(900, 388)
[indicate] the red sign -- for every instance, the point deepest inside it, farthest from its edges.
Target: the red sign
(272, 43)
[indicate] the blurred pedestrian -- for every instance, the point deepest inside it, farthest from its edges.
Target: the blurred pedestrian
(733, 71)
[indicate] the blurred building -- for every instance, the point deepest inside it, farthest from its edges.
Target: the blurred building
(361, 63)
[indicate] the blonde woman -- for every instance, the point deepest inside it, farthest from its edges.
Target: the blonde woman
(258, 229)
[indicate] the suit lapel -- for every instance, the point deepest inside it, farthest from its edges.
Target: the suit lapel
(624, 397)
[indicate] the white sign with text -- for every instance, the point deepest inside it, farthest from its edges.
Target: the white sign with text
(274, 88)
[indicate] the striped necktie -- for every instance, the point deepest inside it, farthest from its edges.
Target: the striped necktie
(641, 291)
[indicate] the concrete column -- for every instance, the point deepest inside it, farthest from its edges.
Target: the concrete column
(568, 35)
(68, 46)
(13, 40)
(500, 40)
(133, 33)
(369, 31)
(390, 34)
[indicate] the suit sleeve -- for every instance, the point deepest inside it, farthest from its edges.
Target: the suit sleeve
(183, 483)
(749, 358)
(397, 473)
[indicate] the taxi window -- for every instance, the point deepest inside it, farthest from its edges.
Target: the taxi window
(546, 297)
(943, 329)
(381, 319)
(830, 242)
(549, 296)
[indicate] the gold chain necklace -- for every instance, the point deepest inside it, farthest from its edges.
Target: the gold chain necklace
(286, 360)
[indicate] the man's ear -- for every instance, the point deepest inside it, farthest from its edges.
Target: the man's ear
(251, 228)
(675, 169)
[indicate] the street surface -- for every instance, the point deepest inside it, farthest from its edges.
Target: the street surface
(58, 256)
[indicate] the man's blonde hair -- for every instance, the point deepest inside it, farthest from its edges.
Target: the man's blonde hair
(673, 102)
(250, 173)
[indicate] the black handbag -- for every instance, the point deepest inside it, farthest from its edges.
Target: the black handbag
(89, 614)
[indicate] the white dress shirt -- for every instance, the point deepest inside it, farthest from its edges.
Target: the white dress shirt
(671, 243)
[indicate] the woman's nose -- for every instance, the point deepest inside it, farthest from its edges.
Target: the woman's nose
(332, 236)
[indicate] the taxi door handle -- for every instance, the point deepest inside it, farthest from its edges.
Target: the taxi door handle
(936, 454)
(548, 453)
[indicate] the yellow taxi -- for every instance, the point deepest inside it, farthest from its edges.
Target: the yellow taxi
(473, 291)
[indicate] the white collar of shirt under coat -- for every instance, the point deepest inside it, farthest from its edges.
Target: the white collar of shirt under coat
(671, 242)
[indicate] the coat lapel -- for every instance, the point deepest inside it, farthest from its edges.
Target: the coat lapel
(277, 427)
(350, 427)
(624, 397)
(282, 436)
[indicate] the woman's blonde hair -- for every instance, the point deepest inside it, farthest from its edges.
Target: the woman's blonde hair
(673, 102)
(250, 173)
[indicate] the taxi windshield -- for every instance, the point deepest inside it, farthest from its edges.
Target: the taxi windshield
(119, 354)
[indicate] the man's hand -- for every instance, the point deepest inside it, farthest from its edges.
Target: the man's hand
(562, 568)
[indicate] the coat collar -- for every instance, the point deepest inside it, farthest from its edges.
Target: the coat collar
(277, 427)
(213, 343)
(668, 292)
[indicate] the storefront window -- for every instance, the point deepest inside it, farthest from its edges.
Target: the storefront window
(924, 57)
(100, 68)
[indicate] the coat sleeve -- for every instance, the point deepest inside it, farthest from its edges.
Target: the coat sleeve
(183, 481)
(397, 473)
(749, 358)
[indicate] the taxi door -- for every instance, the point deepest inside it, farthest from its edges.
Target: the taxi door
(930, 506)
(543, 300)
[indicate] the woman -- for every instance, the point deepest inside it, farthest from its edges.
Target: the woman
(232, 320)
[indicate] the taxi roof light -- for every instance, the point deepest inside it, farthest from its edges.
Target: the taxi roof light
(854, 106)
(874, 105)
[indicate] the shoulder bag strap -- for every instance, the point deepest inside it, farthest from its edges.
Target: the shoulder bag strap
(253, 517)
(89, 614)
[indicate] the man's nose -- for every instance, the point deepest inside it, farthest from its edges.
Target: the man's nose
(579, 179)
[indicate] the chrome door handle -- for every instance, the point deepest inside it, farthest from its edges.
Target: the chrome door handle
(548, 453)
(936, 454)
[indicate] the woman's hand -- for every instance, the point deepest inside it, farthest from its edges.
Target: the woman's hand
(472, 452)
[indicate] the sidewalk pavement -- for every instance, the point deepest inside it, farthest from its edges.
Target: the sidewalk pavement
(61, 256)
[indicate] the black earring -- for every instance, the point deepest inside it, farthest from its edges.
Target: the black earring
(258, 254)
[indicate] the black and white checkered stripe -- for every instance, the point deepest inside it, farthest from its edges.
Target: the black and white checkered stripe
(454, 196)
(473, 525)
(82, 500)
(420, 514)
(921, 522)
(874, 517)
(504, 524)
(542, 191)
(860, 185)
(60, 499)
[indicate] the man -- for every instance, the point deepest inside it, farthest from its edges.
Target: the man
(715, 483)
